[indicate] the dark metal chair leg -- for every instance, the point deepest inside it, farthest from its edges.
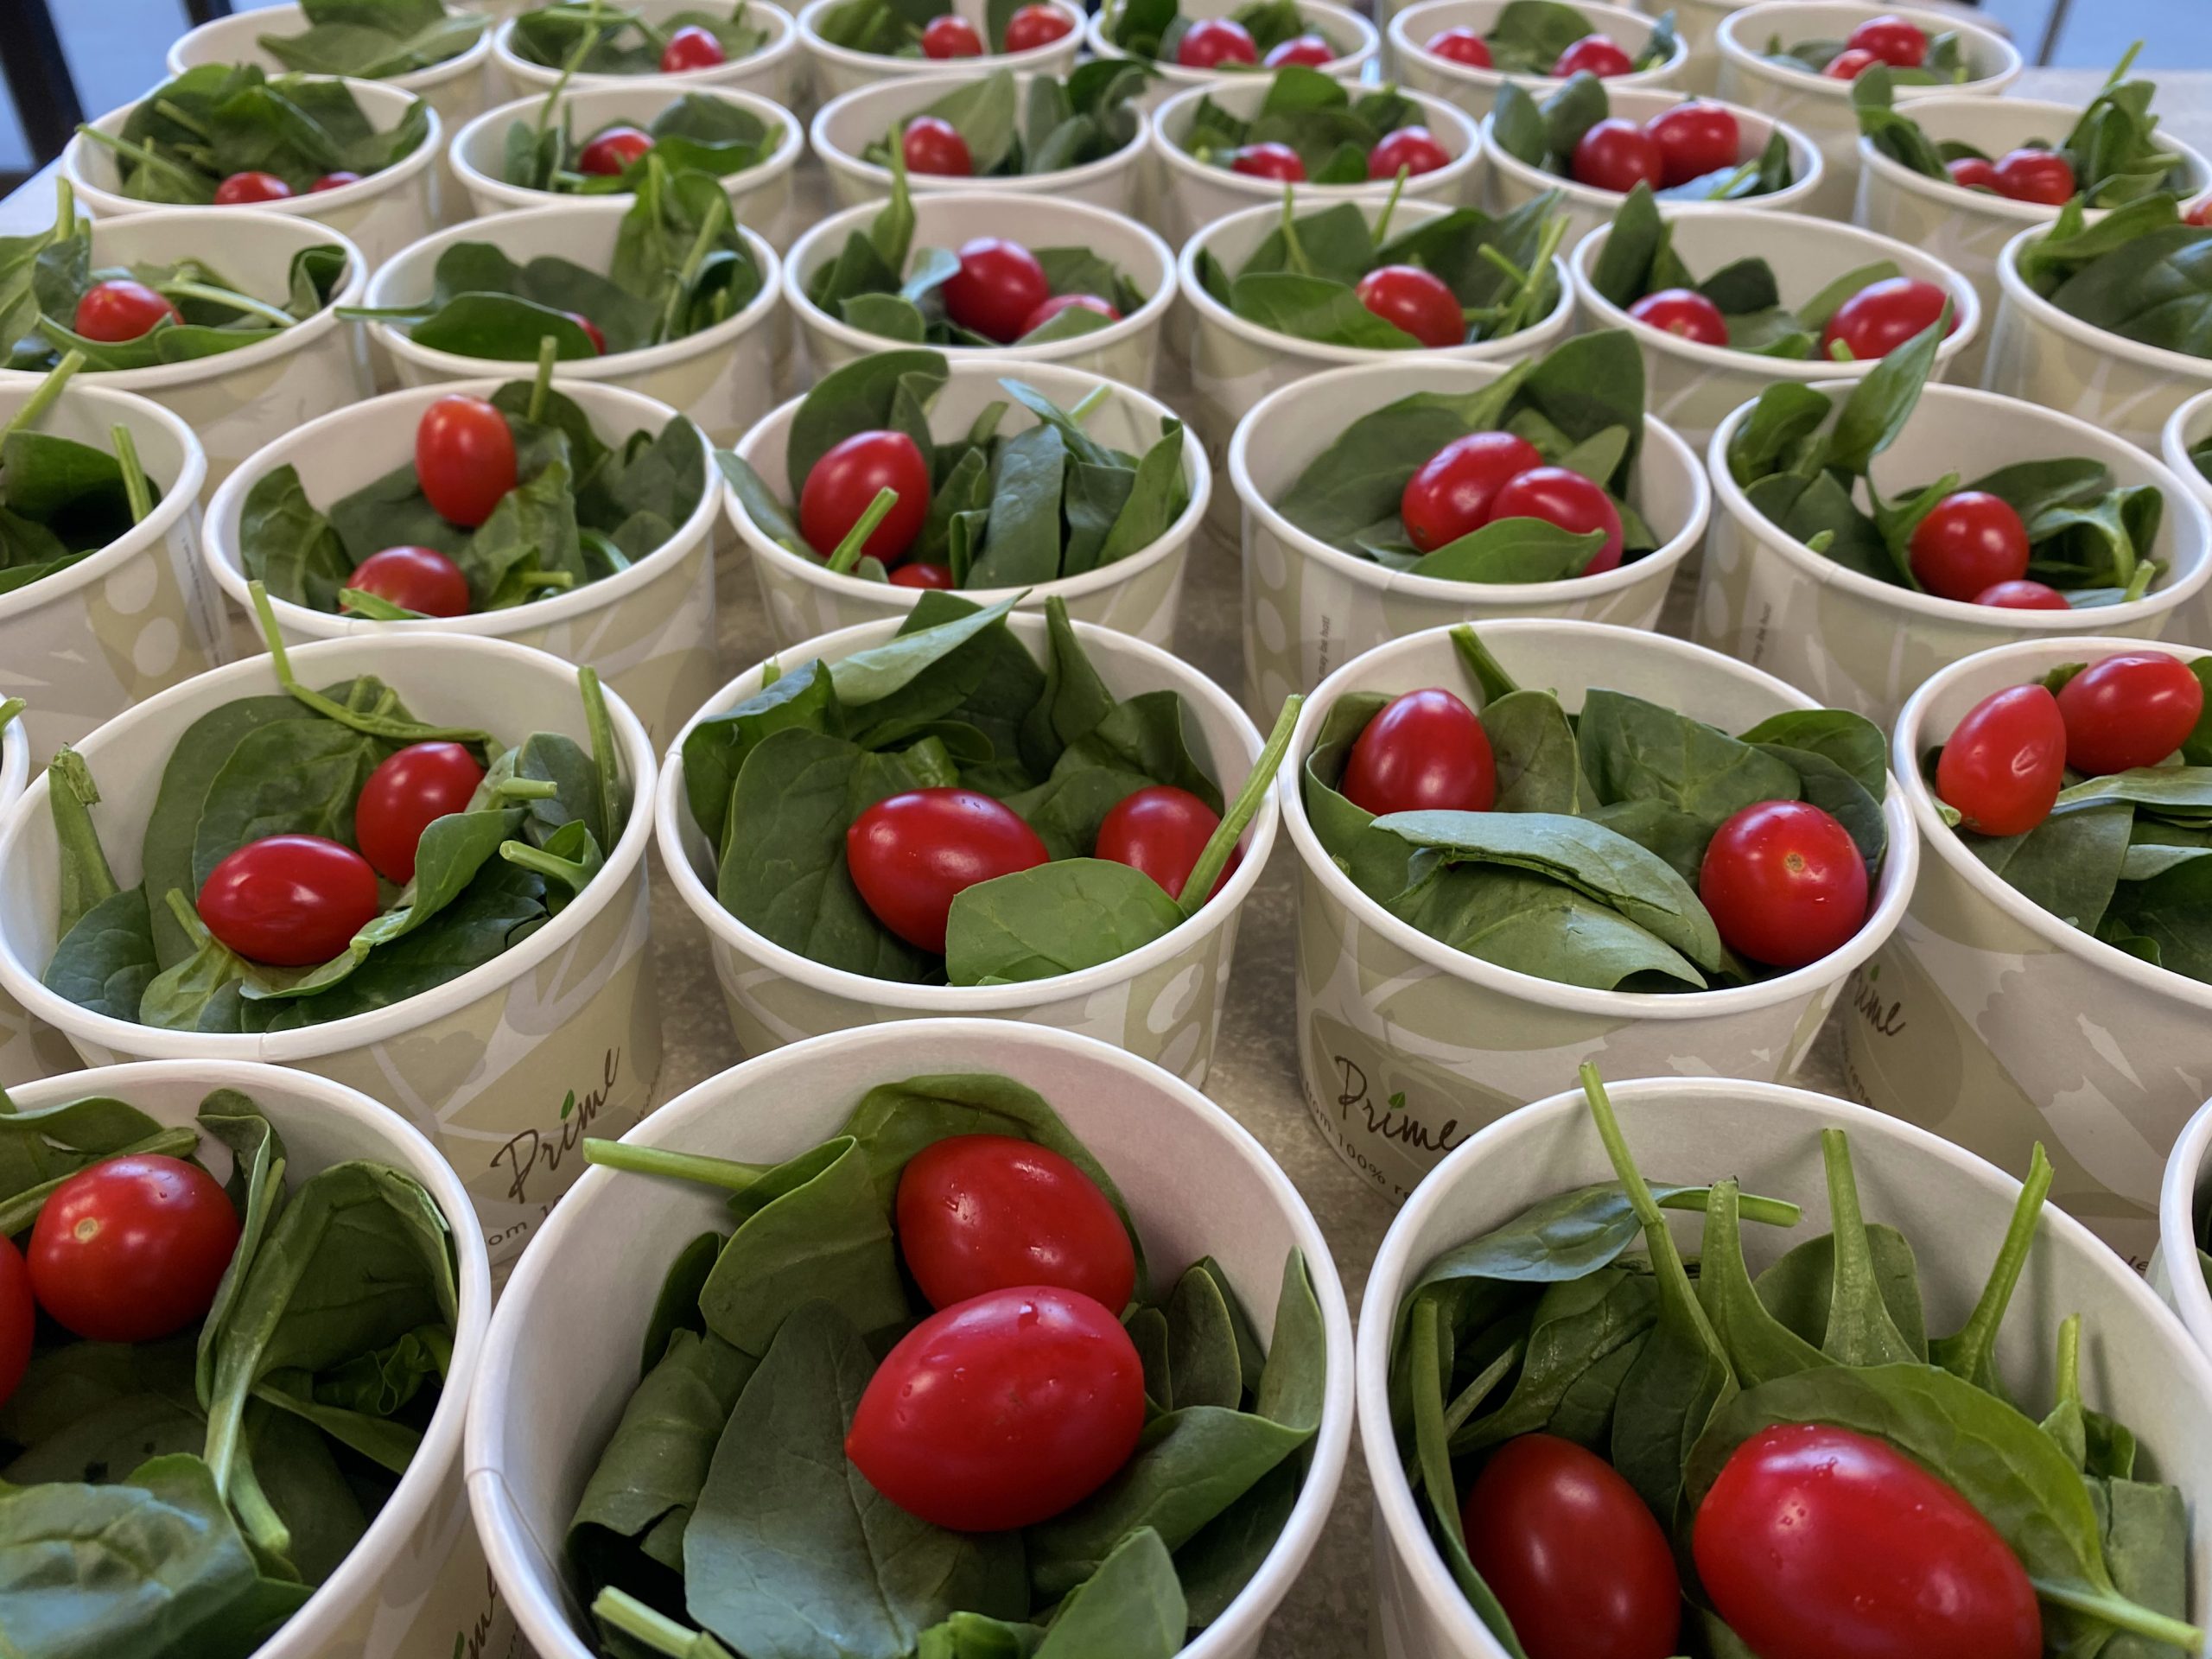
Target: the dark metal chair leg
(205, 11)
(38, 77)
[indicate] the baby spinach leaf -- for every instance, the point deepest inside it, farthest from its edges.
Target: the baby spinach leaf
(2139, 272)
(372, 40)
(1059, 918)
(1314, 114)
(1064, 123)
(1202, 1354)
(597, 39)
(1133, 1606)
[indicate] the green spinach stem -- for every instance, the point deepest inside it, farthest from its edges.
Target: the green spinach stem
(86, 877)
(549, 352)
(230, 297)
(43, 395)
(135, 487)
(1970, 1353)
(375, 606)
(1197, 887)
(618, 1610)
(605, 761)
(724, 1173)
(203, 193)
(1381, 229)
(1667, 1261)
(2121, 1614)
(847, 554)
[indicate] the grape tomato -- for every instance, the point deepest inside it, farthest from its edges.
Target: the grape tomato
(978, 1213)
(290, 901)
(2133, 709)
(1161, 830)
(464, 457)
(1424, 750)
(406, 793)
(910, 856)
(2003, 766)
(131, 1248)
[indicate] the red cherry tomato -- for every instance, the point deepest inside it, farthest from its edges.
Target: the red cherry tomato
(1785, 883)
(982, 1212)
(2004, 763)
(839, 486)
(1060, 302)
(1268, 160)
(606, 155)
(1819, 1543)
(915, 574)
(1592, 54)
(2022, 597)
(1410, 150)
(290, 901)
(1894, 41)
(1424, 750)
(464, 457)
(912, 855)
(245, 188)
(1211, 42)
(121, 308)
(18, 1318)
(1161, 830)
(131, 1248)
(1581, 1568)
(2200, 215)
(2037, 175)
(406, 792)
(1616, 154)
(337, 180)
(1035, 26)
(1449, 494)
(1460, 44)
(1683, 312)
(1417, 300)
(691, 48)
(1568, 500)
(933, 145)
(1309, 49)
(1970, 542)
(999, 284)
(951, 36)
(1972, 173)
(2130, 710)
(417, 578)
(1001, 1411)
(1849, 66)
(1882, 316)
(1695, 139)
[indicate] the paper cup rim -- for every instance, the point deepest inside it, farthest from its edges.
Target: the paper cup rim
(672, 821)
(420, 82)
(1486, 82)
(1891, 888)
(837, 159)
(1742, 58)
(1341, 20)
(2191, 423)
(221, 554)
(783, 42)
(508, 1540)
(313, 1042)
(1659, 438)
(1965, 299)
(1448, 182)
(2177, 1234)
(884, 65)
(614, 366)
(2159, 358)
(175, 504)
(476, 181)
(1808, 167)
(1397, 1516)
(2178, 586)
(1992, 888)
(14, 761)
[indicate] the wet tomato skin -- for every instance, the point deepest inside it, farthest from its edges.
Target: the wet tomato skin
(289, 901)
(1695, 139)
(998, 284)
(242, 189)
(2023, 595)
(1060, 302)
(407, 791)
(416, 578)
(1460, 45)
(1416, 300)
(1972, 173)
(1593, 55)
(1900, 44)
(1616, 154)
(1212, 41)
(1001, 1411)
(1561, 496)
(2133, 709)
(464, 457)
(1161, 830)
(691, 48)
(1969, 542)
(933, 145)
(1035, 26)
(2037, 175)
(1450, 493)
(606, 156)
(18, 1318)
(1413, 150)
(1785, 883)
(1817, 1543)
(915, 574)
(1309, 49)
(1271, 160)
(2004, 763)
(1849, 66)
(121, 308)
(1424, 750)
(951, 36)
(839, 486)
(911, 854)
(1882, 316)
(978, 1213)
(131, 1248)
(1683, 312)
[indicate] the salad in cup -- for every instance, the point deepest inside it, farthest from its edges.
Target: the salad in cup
(376, 41)
(697, 132)
(62, 500)
(597, 38)
(1548, 40)
(1212, 39)
(982, 130)
(1309, 129)
(1687, 151)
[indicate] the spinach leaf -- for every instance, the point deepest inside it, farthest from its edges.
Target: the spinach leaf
(1063, 122)
(1153, 29)
(1544, 136)
(698, 133)
(372, 40)
(2140, 272)
(1315, 115)
(599, 39)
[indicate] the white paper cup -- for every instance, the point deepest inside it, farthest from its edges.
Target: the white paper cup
(648, 630)
(1967, 229)
(1513, 180)
(723, 377)
(1142, 595)
(839, 69)
(1696, 23)
(762, 197)
(2137, 1363)
(1475, 90)
(480, 1065)
(1821, 108)
(1128, 351)
(844, 127)
(29, 1049)
(237, 401)
(1694, 387)
(380, 215)
(1337, 24)
(1859, 643)
(2176, 1272)
(1384, 1011)
(1310, 608)
(1161, 1002)
(777, 72)
(2186, 427)
(1196, 1183)
(1996, 1023)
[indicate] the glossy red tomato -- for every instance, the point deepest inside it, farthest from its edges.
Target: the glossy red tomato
(290, 901)
(1568, 500)
(1894, 41)
(1001, 1411)
(1268, 160)
(1060, 302)
(241, 188)
(417, 578)
(1683, 312)
(1972, 173)
(1695, 139)
(1161, 830)
(1424, 750)
(464, 457)
(2133, 709)
(612, 150)
(1211, 42)
(1882, 316)
(1970, 542)
(999, 284)
(1417, 300)
(1309, 49)
(408, 790)
(1460, 44)
(691, 48)
(337, 180)
(1581, 1568)
(983, 1212)
(132, 1248)
(1593, 55)
(839, 486)
(121, 308)
(1410, 150)
(2200, 215)
(591, 331)
(1785, 883)
(1849, 66)
(1616, 154)
(915, 574)
(2022, 597)
(1035, 26)
(910, 856)
(933, 145)
(951, 36)
(1449, 494)
(18, 1318)
(2004, 763)
(1819, 1543)
(2037, 175)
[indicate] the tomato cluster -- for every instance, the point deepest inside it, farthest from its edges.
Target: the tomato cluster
(1487, 476)
(1409, 151)
(1886, 39)
(464, 464)
(1676, 146)
(1870, 324)
(2029, 174)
